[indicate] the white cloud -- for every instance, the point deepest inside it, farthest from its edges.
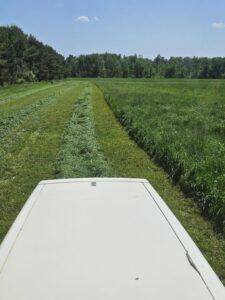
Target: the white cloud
(83, 19)
(95, 18)
(86, 19)
(218, 25)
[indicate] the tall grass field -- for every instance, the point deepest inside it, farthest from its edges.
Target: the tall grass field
(181, 125)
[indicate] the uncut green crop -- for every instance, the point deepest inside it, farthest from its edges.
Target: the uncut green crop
(181, 124)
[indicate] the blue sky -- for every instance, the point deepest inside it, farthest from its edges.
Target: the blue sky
(147, 27)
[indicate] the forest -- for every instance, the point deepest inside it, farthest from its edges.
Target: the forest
(25, 59)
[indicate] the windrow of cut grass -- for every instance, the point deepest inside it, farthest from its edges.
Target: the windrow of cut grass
(30, 149)
(181, 125)
(80, 155)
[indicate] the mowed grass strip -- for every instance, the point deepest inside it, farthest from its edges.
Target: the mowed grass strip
(128, 160)
(16, 101)
(80, 155)
(14, 93)
(34, 152)
(13, 134)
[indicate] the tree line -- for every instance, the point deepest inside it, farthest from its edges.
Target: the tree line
(24, 58)
(113, 65)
